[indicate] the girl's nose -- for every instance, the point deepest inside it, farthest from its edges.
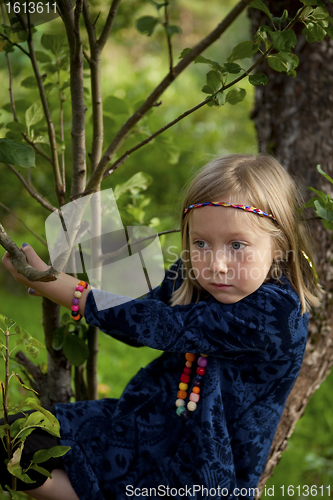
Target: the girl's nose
(219, 264)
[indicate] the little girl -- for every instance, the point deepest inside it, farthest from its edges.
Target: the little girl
(231, 317)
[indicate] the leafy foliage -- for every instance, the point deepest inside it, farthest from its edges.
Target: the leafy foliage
(13, 436)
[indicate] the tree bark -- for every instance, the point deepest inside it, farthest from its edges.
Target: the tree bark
(294, 121)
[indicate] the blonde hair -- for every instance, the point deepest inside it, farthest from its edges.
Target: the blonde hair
(263, 183)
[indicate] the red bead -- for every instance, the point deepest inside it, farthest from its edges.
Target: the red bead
(187, 371)
(185, 378)
(201, 371)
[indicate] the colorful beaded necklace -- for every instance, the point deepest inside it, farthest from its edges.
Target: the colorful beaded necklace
(184, 384)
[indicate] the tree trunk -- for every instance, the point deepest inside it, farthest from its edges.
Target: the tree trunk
(294, 121)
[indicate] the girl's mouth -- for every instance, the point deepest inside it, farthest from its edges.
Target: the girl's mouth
(220, 286)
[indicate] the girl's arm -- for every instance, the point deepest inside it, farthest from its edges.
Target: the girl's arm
(60, 291)
(264, 326)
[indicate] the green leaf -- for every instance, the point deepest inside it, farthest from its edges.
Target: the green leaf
(232, 68)
(213, 80)
(41, 470)
(15, 468)
(44, 455)
(32, 403)
(283, 62)
(184, 52)
(220, 98)
(320, 13)
(235, 95)
(58, 338)
(322, 211)
(329, 31)
(42, 57)
(33, 351)
(75, 350)
(324, 174)
(258, 79)
(258, 4)
(146, 25)
(242, 51)
(15, 495)
(309, 2)
(34, 114)
(283, 40)
(115, 106)
(314, 32)
(138, 182)
(173, 30)
(207, 89)
(53, 43)
(15, 153)
(29, 82)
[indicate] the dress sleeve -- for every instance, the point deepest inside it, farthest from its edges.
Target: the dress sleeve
(264, 324)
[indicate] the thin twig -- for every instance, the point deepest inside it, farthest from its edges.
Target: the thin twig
(15, 44)
(166, 25)
(32, 191)
(24, 224)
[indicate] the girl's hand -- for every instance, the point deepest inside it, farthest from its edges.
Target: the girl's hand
(33, 259)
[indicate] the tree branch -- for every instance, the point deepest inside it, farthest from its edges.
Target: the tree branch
(20, 262)
(71, 22)
(97, 176)
(96, 90)
(108, 24)
(32, 191)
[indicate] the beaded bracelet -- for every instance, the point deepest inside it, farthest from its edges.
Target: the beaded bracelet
(75, 302)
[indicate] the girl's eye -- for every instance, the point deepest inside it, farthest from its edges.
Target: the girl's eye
(200, 244)
(237, 245)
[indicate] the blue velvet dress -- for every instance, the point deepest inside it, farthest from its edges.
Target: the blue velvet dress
(138, 447)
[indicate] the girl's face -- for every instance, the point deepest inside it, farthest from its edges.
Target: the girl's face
(229, 258)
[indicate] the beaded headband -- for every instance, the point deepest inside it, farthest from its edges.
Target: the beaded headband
(225, 204)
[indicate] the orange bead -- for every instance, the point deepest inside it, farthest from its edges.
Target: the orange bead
(83, 283)
(190, 356)
(181, 394)
(77, 318)
(196, 390)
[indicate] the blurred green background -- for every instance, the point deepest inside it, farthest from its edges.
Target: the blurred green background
(133, 64)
